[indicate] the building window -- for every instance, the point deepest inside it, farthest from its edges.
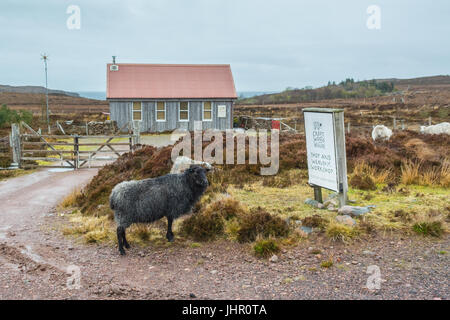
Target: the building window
(160, 111)
(137, 111)
(207, 111)
(183, 113)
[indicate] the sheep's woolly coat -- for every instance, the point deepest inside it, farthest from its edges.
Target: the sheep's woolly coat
(440, 128)
(381, 132)
(148, 200)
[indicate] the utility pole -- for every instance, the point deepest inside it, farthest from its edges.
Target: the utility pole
(45, 58)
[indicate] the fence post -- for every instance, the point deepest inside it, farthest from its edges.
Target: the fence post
(15, 144)
(395, 123)
(429, 120)
(137, 132)
(348, 127)
(76, 153)
(131, 143)
(318, 194)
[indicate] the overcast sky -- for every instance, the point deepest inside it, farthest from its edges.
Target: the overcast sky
(270, 44)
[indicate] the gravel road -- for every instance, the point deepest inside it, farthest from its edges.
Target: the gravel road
(37, 262)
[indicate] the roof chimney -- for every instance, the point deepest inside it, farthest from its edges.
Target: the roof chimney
(114, 59)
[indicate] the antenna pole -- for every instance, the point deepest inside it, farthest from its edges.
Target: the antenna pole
(45, 57)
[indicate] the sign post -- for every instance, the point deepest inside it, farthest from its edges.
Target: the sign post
(325, 146)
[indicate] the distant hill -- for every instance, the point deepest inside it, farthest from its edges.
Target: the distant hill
(101, 95)
(346, 89)
(96, 95)
(249, 94)
(35, 89)
(58, 103)
(433, 80)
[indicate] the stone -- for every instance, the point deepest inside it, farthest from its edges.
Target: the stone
(354, 211)
(314, 203)
(331, 202)
(274, 258)
(368, 253)
(347, 220)
(306, 230)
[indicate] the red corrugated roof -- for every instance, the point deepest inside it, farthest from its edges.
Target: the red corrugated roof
(171, 81)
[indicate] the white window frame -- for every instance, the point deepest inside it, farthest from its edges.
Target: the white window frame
(133, 111)
(203, 111)
(156, 112)
(188, 111)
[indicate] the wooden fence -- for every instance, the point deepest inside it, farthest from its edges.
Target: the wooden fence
(33, 149)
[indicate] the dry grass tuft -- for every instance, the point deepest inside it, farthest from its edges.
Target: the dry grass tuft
(429, 228)
(365, 177)
(71, 199)
(285, 179)
(226, 206)
(410, 172)
(445, 174)
(92, 229)
(431, 223)
(340, 232)
(415, 172)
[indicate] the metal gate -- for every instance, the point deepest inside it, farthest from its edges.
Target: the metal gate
(67, 151)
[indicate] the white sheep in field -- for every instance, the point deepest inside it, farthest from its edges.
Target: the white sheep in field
(182, 163)
(381, 132)
(440, 128)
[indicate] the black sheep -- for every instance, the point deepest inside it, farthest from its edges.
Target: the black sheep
(148, 200)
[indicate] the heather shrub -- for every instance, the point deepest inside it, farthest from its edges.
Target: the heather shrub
(259, 222)
(203, 226)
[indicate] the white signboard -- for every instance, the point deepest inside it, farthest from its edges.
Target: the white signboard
(221, 111)
(321, 150)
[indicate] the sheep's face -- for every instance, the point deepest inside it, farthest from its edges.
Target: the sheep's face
(198, 175)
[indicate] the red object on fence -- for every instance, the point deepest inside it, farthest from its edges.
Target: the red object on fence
(276, 124)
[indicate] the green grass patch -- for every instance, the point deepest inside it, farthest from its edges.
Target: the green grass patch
(429, 228)
(265, 248)
(326, 264)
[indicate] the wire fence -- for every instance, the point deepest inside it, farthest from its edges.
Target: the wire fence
(360, 124)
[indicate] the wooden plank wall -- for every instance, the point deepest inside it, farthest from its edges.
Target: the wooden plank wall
(121, 113)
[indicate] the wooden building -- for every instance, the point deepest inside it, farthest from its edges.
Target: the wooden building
(165, 97)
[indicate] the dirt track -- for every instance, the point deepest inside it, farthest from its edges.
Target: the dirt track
(36, 261)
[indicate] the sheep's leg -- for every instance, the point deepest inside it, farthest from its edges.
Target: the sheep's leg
(120, 233)
(125, 242)
(169, 234)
